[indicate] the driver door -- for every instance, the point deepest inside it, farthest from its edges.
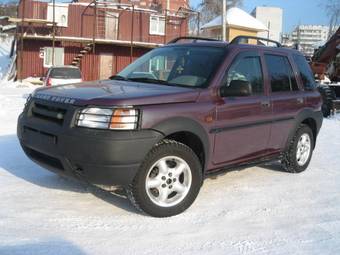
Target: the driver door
(243, 123)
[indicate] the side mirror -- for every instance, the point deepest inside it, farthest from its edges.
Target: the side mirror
(237, 88)
(41, 78)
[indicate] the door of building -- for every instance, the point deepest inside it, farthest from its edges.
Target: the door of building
(106, 65)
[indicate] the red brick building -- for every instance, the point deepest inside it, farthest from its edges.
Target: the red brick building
(96, 36)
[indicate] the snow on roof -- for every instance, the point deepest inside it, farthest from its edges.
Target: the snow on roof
(7, 27)
(237, 18)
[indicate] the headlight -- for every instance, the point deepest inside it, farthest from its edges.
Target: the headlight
(118, 119)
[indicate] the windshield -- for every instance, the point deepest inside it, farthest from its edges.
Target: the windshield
(181, 66)
(65, 73)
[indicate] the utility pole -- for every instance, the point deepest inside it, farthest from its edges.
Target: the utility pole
(132, 31)
(53, 33)
(224, 20)
(168, 4)
(21, 66)
(268, 36)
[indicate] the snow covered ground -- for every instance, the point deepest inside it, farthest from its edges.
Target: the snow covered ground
(259, 210)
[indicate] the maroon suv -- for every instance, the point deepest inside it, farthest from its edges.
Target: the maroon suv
(178, 113)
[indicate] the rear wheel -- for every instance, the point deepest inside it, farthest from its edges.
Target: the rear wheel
(328, 95)
(299, 152)
(168, 180)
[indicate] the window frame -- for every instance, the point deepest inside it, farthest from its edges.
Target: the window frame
(60, 11)
(48, 65)
(159, 19)
(243, 55)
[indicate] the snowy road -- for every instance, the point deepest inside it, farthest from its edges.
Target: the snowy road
(258, 210)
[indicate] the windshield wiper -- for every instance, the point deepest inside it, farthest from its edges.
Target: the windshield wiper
(119, 77)
(150, 80)
(140, 79)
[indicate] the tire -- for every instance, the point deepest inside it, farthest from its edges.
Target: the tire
(328, 95)
(294, 161)
(157, 189)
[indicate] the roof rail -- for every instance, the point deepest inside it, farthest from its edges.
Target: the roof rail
(193, 38)
(239, 40)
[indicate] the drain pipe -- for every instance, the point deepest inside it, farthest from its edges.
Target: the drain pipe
(224, 20)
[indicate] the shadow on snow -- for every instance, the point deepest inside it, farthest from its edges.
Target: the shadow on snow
(44, 247)
(14, 161)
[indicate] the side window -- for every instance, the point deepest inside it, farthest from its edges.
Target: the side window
(281, 73)
(247, 68)
(305, 72)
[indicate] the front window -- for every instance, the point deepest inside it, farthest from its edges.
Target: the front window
(180, 65)
(246, 68)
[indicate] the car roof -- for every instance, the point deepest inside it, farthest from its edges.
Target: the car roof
(65, 66)
(231, 46)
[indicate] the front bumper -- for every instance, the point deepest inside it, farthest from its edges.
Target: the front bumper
(101, 157)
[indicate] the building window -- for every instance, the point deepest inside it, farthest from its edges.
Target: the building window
(157, 25)
(58, 56)
(61, 14)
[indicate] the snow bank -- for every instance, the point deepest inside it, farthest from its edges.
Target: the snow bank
(259, 210)
(5, 60)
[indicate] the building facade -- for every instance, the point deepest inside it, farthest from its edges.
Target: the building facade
(99, 37)
(272, 18)
(171, 5)
(308, 37)
(238, 22)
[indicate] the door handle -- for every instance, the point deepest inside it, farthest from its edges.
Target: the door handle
(265, 103)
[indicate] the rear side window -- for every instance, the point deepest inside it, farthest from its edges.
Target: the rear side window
(281, 73)
(65, 73)
(305, 72)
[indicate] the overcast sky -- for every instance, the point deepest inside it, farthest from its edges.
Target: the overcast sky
(295, 11)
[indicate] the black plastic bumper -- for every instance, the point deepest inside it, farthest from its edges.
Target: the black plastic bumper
(100, 157)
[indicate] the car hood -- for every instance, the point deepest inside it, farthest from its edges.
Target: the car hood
(113, 92)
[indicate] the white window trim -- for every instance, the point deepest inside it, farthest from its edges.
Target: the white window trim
(58, 14)
(158, 24)
(63, 57)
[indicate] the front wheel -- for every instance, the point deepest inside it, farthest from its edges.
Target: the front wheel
(299, 152)
(168, 180)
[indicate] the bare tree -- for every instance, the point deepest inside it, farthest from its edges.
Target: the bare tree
(212, 8)
(8, 9)
(332, 8)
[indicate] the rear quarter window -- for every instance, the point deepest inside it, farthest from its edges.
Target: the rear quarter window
(305, 71)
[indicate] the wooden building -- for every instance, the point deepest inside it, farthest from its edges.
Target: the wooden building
(100, 37)
(238, 23)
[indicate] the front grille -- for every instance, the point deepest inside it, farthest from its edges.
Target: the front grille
(43, 158)
(48, 112)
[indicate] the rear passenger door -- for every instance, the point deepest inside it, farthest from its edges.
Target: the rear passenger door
(286, 97)
(243, 123)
